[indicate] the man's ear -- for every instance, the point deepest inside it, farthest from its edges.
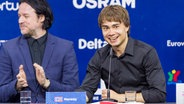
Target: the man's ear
(127, 28)
(41, 18)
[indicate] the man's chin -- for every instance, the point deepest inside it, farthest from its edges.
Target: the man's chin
(27, 35)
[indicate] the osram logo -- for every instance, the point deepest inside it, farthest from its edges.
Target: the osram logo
(9, 6)
(92, 4)
(91, 44)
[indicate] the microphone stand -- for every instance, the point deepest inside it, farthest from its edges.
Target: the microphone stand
(108, 99)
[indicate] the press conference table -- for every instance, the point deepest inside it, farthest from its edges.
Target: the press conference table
(99, 103)
(139, 103)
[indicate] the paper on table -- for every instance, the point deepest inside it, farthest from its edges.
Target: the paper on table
(180, 93)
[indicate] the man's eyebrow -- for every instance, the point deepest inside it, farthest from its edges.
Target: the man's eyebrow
(104, 26)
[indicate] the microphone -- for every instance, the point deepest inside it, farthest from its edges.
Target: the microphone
(108, 99)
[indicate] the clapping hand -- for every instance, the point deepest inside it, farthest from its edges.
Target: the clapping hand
(21, 79)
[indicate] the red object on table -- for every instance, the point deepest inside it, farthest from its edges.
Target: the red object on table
(107, 102)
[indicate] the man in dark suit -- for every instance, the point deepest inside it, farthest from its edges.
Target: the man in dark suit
(36, 60)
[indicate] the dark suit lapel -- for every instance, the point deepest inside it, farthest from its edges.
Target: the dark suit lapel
(48, 50)
(28, 61)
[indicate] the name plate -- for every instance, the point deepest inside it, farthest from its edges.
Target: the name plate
(65, 98)
(180, 93)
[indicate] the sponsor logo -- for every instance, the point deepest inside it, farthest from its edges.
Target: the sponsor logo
(9, 6)
(58, 99)
(173, 77)
(96, 98)
(92, 4)
(92, 44)
(174, 44)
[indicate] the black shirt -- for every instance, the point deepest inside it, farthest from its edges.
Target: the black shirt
(137, 69)
(37, 47)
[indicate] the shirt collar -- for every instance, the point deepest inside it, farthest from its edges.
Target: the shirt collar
(130, 46)
(40, 40)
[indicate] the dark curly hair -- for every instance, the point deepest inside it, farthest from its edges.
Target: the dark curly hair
(42, 8)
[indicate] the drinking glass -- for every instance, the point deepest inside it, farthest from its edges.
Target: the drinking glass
(130, 96)
(25, 97)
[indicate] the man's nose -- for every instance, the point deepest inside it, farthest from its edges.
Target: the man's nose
(20, 20)
(111, 31)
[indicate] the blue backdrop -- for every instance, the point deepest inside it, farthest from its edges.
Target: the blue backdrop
(157, 22)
